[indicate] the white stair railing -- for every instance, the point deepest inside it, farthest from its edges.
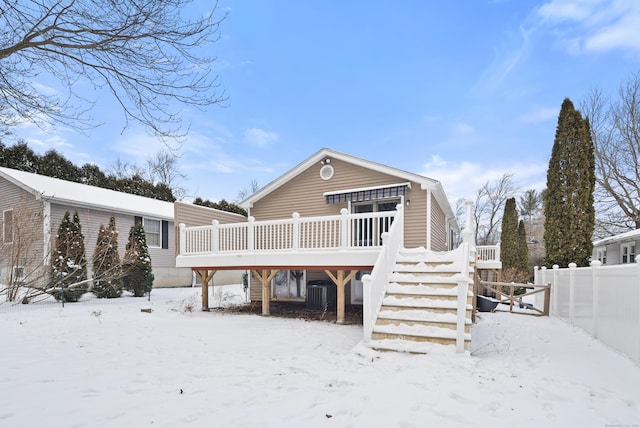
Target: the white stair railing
(375, 284)
(468, 250)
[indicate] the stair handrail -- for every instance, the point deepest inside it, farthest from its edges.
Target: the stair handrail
(375, 284)
(463, 280)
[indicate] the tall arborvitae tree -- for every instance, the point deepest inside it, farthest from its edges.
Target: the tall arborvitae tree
(107, 272)
(69, 263)
(568, 200)
(523, 250)
(509, 253)
(138, 277)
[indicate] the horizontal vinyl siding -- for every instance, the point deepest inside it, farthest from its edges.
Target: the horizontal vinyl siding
(304, 193)
(28, 217)
(415, 218)
(614, 252)
(196, 215)
(438, 227)
(91, 220)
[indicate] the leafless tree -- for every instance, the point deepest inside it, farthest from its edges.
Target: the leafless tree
(248, 191)
(615, 128)
(146, 54)
(122, 169)
(163, 168)
(488, 207)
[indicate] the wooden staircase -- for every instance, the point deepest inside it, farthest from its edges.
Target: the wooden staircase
(419, 309)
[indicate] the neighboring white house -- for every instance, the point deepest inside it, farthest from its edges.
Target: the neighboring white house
(32, 206)
(617, 249)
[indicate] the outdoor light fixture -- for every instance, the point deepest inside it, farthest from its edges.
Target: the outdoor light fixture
(408, 202)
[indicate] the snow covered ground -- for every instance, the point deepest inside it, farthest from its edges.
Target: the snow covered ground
(107, 364)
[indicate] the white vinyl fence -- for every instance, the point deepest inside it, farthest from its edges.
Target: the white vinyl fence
(602, 300)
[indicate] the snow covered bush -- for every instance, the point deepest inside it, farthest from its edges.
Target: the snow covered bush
(107, 271)
(68, 262)
(137, 276)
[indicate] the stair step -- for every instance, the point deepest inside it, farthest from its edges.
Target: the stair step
(426, 268)
(425, 290)
(417, 331)
(420, 316)
(410, 346)
(430, 309)
(421, 302)
(446, 325)
(421, 277)
(422, 268)
(417, 339)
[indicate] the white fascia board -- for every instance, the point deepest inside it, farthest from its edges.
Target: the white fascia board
(284, 258)
(111, 209)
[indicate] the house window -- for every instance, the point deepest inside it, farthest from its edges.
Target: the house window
(156, 232)
(628, 252)
(153, 232)
(7, 226)
(601, 255)
(18, 274)
(289, 285)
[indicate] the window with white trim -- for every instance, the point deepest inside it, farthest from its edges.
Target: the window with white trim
(153, 232)
(156, 232)
(7, 226)
(628, 252)
(601, 255)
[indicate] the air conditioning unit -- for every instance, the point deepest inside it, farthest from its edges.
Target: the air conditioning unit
(321, 295)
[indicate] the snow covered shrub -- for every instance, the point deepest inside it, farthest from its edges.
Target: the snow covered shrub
(68, 262)
(107, 272)
(137, 275)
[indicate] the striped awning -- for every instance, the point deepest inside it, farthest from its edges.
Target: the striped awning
(367, 193)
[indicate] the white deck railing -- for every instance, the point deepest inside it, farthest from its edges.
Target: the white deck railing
(488, 252)
(375, 284)
(343, 231)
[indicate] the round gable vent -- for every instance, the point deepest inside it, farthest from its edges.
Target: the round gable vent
(326, 172)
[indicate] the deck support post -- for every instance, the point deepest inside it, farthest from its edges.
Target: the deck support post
(340, 282)
(205, 276)
(265, 276)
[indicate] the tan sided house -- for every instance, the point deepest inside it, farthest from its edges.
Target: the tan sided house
(336, 230)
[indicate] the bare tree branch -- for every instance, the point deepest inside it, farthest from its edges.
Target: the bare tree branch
(144, 52)
(615, 125)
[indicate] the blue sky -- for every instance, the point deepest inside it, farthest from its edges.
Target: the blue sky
(461, 92)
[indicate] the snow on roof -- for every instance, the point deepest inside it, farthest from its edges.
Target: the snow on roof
(632, 234)
(77, 194)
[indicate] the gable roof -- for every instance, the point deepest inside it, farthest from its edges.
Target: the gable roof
(426, 183)
(83, 195)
